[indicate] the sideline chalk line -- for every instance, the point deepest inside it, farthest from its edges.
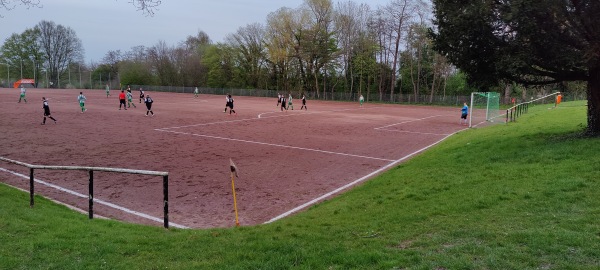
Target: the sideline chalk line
(337, 190)
(111, 205)
(276, 145)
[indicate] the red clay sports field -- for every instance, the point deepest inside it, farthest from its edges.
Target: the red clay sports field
(287, 160)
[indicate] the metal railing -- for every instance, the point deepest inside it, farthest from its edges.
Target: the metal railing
(515, 111)
(91, 170)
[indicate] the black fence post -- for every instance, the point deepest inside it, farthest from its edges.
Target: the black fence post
(91, 195)
(166, 200)
(31, 189)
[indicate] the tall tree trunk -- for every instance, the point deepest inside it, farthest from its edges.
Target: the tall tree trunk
(396, 54)
(507, 91)
(432, 88)
(593, 95)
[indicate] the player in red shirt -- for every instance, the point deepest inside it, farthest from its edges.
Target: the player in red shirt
(122, 100)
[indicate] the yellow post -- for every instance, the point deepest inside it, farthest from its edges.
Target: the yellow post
(237, 222)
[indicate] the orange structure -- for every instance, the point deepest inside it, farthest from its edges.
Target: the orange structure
(24, 81)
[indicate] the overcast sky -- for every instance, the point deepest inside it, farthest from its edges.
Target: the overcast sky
(105, 25)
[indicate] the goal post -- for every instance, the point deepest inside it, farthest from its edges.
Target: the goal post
(485, 107)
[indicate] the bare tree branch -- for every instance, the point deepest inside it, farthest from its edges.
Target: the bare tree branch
(11, 4)
(146, 6)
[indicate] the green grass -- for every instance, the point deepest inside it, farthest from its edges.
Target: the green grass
(520, 196)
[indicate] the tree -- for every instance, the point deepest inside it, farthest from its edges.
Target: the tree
(219, 60)
(280, 47)
(529, 42)
(135, 73)
(60, 46)
(248, 43)
(400, 12)
(354, 39)
(162, 60)
(22, 51)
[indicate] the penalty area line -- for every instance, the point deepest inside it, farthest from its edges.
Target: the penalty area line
(409, 121)
(413, 132)
(337, 190)
(111, 205)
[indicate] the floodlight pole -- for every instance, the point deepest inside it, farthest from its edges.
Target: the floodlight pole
(80, 75)
(7, 75)
(34, 68)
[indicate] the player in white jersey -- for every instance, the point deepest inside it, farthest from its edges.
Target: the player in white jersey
(290, 105)
(22, 96)
(129, 96)
(81, 98)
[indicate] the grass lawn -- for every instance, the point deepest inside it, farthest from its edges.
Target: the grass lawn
(520, 196)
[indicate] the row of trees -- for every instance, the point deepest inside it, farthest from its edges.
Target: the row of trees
(317, 48)
(385, 53)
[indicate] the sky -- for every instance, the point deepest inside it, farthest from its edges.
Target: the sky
(110, 25)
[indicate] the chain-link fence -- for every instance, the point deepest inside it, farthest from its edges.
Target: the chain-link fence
(447, 100)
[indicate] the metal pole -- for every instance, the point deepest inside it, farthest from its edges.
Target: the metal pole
(34, 68)
(166, 200)
(21, 68)
(31, 187)
(91, 195)
(80, 75)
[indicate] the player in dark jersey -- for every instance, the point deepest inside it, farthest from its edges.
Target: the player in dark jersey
(230, 105)
(148, 100)
(141, 95)
(304, 103)
(46, 111)
(227, 103)
(283, 103)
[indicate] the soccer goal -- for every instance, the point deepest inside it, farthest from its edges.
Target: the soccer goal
(485, 108)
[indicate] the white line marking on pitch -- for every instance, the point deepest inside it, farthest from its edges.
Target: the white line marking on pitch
(247, 119)
(413, 132)
(277, 145)
(112, 205)
(404, 122)
(337, 190)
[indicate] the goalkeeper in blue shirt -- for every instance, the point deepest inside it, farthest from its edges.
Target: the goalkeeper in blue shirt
(464, 112)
